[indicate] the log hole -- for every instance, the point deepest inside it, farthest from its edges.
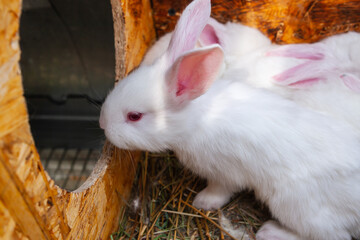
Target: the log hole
(67, 65)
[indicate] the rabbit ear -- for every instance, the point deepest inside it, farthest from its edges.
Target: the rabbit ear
(189, 28)
(299, 51)
(300, 76)
(212, 33)
(305, 74)
(351, 81)
(208, 36)
(193, 73)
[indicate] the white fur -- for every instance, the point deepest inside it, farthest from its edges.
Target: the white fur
(214, 196)
(157, 49)
(330, 96)
(245, 50)
(272, 230)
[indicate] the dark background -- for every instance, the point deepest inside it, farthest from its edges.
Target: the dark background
(67, 65)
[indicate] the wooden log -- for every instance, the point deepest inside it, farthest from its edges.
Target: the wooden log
(283, 21)
(31, 205)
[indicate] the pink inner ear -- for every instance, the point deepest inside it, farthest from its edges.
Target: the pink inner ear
(301, 76)
(291, 72)
(299, 51)
(193, 73)
(351, 82)
(181, 88)
(305, 83)
(208, 36)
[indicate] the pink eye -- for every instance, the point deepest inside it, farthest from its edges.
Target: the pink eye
(134, 116)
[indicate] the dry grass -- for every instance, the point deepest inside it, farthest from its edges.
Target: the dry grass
(160, 207)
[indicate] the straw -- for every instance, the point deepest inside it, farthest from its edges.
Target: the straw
(160, 206)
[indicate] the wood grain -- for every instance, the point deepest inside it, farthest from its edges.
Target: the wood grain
(31, 205)
(283, 21)
(134, 33)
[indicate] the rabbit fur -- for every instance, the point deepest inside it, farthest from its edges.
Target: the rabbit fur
(332, 66)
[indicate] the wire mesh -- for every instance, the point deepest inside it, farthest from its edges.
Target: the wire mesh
(69, 167)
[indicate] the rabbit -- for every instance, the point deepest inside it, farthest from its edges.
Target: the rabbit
(323, 76)
(303, 164)
(236, 40)
(339, 52)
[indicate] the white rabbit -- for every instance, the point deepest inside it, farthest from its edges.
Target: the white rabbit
(236, 40)
(327, 79)
(323, 76)
(304, 165)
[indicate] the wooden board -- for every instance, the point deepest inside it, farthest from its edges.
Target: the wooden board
(31, 205)
(283, 21)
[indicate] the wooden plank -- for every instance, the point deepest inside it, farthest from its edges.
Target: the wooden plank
(283, 21)
(32, 205)
(14, 130)
(8, 230)
(93, 210)
(16, 205)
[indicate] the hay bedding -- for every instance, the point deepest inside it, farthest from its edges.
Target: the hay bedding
(160, 206)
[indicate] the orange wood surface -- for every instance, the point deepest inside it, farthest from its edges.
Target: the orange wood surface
(283, 21)
(31, 205)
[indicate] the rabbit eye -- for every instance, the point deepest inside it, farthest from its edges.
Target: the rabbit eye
(134, 116)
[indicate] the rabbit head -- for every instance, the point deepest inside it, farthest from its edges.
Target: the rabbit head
(137, 114)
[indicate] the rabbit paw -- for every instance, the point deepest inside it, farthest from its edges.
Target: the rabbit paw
(211, 198)
(272, 230)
